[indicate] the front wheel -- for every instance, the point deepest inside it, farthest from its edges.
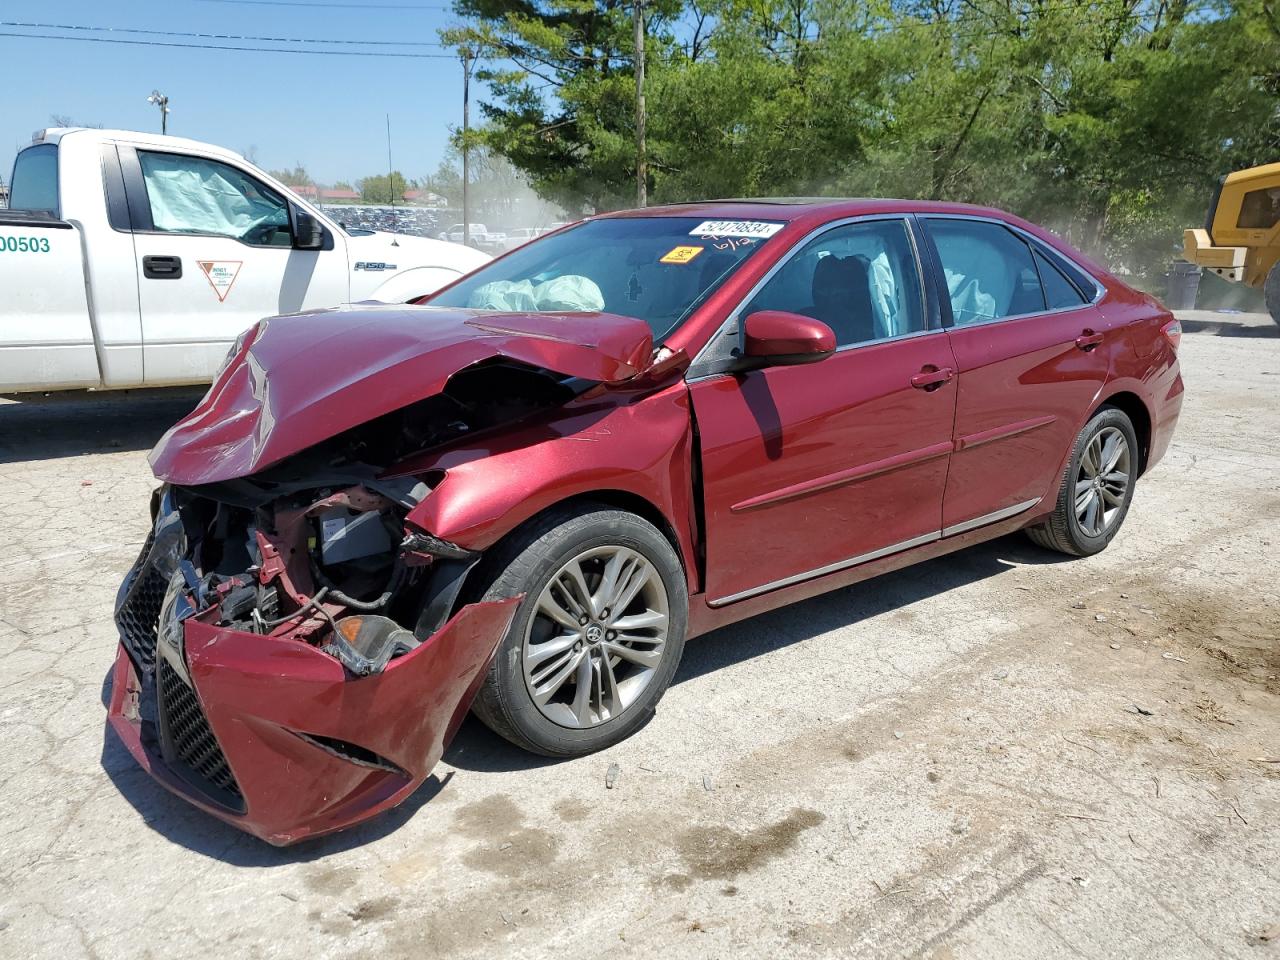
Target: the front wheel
(1097, 487)
(597, 638)
(1271, 292)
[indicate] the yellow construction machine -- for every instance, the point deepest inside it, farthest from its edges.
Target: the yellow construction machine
(1241, 236)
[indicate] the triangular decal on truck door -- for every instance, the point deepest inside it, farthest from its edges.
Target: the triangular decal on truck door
(221, 274)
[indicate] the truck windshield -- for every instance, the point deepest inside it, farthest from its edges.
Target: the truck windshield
(34, 185)
(657, 269)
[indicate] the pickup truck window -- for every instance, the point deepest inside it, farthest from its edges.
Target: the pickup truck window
(194, 195)
(34, 185)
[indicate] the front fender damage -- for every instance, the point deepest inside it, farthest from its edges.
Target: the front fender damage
(296, 650)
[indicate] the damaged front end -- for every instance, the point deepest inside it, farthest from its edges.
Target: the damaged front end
(294, 651)
(291, 665)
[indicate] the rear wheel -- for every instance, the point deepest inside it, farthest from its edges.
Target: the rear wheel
(1097, 487)
(597, 638)
(1271, 291)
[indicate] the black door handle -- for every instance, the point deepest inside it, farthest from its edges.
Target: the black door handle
(162, 268)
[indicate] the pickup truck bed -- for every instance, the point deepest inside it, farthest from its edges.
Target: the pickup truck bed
(48, 342)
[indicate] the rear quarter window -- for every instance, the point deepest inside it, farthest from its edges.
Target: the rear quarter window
(34, 185)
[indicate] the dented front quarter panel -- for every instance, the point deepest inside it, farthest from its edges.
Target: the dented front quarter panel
(264, 695)
(636, 441)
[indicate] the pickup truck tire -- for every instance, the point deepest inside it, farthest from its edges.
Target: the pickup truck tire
(1271, 292)
(574, 674)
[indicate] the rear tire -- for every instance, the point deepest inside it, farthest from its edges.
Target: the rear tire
(1271, 292)
(597, 638)
(1097, 487)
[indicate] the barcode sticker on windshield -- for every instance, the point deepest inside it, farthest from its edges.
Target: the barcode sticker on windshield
(735, 228)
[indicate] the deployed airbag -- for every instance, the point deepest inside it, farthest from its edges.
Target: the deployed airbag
(568, 294)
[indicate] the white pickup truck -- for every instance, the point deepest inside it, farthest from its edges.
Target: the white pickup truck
(134, 260)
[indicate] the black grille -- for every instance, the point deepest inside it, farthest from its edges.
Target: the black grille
(138, 618)
(189, 735)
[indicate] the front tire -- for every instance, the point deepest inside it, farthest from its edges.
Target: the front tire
(1097, 487)
(1271, 292)
(597, 638)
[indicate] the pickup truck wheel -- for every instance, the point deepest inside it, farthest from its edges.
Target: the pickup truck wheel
(1097, 487)
(1271, 292)
(597, 638)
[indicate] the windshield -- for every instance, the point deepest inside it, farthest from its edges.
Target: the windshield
(657, 269)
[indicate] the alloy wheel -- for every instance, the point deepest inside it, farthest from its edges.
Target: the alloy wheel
(597, 636)
(1102, 482)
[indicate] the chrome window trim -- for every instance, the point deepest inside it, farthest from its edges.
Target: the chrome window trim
(921, 279)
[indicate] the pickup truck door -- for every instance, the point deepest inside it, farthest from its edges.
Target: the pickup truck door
(214, 249)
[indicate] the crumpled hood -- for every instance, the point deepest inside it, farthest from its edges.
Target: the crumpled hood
(307, 377)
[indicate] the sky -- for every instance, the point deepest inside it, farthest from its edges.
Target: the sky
(327, 112)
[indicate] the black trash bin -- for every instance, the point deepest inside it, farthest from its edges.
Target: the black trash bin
(1184, 281)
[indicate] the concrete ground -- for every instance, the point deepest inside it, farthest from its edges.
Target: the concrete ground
(1002, 753)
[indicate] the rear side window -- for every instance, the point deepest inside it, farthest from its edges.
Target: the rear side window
(1059, 292)
(989, 270)
(34, 185)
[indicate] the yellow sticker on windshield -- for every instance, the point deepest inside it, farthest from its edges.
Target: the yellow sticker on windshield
(681, 254)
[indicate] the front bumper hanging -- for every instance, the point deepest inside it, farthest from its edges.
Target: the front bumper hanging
(271, 734)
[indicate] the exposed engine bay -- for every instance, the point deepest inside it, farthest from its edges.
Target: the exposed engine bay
(316, 549)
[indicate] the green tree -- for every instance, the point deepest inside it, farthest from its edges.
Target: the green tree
(1108, 120)
(383, 188)
(297, 177)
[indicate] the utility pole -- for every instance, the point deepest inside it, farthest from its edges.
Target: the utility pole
(161, 101)
(391, 170)
(642, 164)
(467, 61)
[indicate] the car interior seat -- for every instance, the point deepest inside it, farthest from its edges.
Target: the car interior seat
(842, 297)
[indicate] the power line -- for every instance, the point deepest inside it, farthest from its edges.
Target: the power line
(210, 46)
(218, 36)
(510, 50)
(335, 6)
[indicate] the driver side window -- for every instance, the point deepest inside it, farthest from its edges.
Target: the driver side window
(860, 279)
(198, 196)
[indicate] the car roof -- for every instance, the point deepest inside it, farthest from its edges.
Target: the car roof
(788, 209)
(802, 214)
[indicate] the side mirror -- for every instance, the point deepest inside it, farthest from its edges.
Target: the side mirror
(775, 338)
(308, 232)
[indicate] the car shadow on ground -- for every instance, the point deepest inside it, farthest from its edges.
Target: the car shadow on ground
(1227, 328)
(50, 427)
(476, 748)
(479, 750)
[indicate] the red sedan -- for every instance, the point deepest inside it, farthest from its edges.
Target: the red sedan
(524, 496)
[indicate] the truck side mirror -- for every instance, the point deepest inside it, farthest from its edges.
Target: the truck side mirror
(308, 232)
